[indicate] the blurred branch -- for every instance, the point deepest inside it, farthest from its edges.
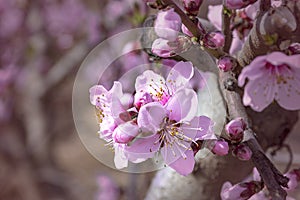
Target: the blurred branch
(65, 65)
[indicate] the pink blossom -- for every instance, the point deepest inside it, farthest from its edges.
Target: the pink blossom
(160, 89)
(174, 127)
(167, 24)
(272, 77)
(110, 110)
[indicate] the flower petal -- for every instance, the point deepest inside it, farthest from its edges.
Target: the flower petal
(200, 128)
(120, 159)
(180, 75)
(151, 116)
(142, 148)
(148, 82)
(289, 92)
(260, 93)
(182, 106)
(173, 156)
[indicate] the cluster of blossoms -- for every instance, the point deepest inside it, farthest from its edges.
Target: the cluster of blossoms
(161, 117)
(254, 189)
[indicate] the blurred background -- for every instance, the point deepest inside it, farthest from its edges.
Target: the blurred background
(42, 45)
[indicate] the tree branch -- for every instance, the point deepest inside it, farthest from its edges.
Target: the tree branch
(226, 29)
(272, 178)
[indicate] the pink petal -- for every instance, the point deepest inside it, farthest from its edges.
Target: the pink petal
(199, 128)
(260, 93)
(215, 16)
(173, 157)
(148, 81)
(142, 148)
(180, 75)
(95, 92)
(289, 93)
(151, 116)
(183, 105)
(253, 71)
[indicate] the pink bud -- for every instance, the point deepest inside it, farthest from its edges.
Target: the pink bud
(167, 24)
(164, 48)
(238, 4)
(235, 129)
(214, 40)
(220, 148)
(192, 6)
(125, 132)
(225, 63)
(242, 152)
(294, 48)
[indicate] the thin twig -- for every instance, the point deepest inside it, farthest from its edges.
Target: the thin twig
(226, 29)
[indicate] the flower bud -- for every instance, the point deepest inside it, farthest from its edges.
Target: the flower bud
(165, 48)
(220, 148)
(167, 24)
(238, 4)
(125, 132)
(235, 129)
(225, 63)
(192, 6)
(294, 48)
(214, 40)
(242, 152)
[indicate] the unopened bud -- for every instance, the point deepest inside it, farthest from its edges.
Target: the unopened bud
(192, 6)
(220, 147)
(235, 129)
(294, 48)
(226, 63)
(242, 152)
